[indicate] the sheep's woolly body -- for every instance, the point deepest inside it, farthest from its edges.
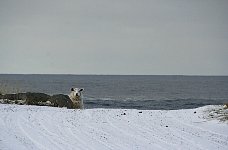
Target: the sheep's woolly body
(77, 101)
(225, 106)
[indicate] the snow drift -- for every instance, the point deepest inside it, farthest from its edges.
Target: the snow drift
(40, 128)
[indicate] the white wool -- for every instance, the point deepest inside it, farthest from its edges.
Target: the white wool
(76, 96)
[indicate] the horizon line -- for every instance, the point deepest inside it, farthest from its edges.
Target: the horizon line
(106, 74)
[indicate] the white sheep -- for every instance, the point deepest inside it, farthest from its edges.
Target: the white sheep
(76, 98)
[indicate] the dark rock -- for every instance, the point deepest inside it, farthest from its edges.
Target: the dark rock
(36, 98)
(20, 102)
(40, 99)
(61, 100)
(10, 96)
(194, 112)
(166, 126)
(4, 101)
(140, 112)
(18, 96)
(21, 96)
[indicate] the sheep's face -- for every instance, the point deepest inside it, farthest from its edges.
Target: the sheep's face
(76, 92)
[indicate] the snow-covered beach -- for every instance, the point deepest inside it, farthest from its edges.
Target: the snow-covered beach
(40, 127)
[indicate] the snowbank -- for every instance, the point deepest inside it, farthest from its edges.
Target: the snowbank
(35, 127)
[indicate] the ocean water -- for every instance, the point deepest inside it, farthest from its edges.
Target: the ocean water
(127, 91)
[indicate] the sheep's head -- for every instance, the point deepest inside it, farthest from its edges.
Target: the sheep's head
(76, 92)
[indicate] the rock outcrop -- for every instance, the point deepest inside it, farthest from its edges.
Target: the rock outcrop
(61, 100)
(36, 98)
(40, 99)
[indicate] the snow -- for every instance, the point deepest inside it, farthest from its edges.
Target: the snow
(47, 128)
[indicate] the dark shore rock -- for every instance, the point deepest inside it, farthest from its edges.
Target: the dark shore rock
(10, 96)
(40, 99)
(61, 100)
(36, 98)
(18, 96)
(25, 98)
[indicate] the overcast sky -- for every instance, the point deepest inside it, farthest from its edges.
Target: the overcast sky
(177, 37)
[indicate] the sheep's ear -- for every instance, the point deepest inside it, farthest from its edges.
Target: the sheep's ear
(72, 89)
(81, 90)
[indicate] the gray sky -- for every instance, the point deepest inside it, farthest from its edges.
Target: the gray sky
(181, 37)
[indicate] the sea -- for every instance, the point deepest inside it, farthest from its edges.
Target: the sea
(147, 92)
